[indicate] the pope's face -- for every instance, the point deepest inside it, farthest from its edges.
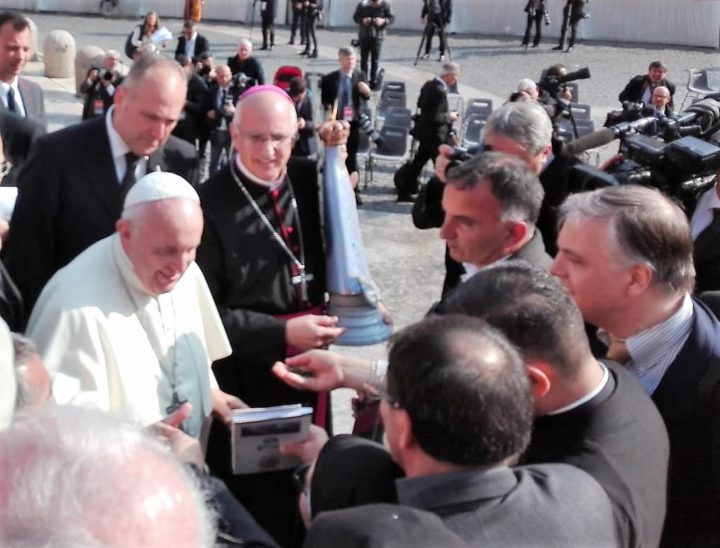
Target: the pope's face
(161, 243)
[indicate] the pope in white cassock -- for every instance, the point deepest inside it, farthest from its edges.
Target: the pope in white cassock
(130, 326)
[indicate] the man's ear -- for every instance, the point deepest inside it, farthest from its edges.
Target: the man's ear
(641, 277)
(516, 233)
(403, 425)
(540, 381)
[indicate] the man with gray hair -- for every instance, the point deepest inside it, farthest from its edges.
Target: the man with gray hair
(73, 477)
(432, 128)
(75, 180)
(244, 63)
(129, 326)
(625, 255)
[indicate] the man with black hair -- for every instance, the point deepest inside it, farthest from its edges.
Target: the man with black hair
(640, 88)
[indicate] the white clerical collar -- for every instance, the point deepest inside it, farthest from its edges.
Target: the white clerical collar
(471, 269)
(589, 396)
(270, 185)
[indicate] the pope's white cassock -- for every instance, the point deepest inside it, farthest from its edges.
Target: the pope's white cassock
(109, 344)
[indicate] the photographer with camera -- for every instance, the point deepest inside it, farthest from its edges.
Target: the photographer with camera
(432, 129)
(436, 14)
(100, 84)
(222, 96)
(373, 16)
(345, 91)
(640, 88)
(573, 13)
(243, 62)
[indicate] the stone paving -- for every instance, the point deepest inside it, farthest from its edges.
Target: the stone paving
(407, 264)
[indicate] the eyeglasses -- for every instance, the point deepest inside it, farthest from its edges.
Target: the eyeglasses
(259, 140)
(383, 395)
(299, 477)
(5, 167)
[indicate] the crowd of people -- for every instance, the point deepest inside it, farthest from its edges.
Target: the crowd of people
(562, 392)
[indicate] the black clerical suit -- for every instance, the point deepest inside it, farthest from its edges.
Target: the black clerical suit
(619, 438)
(70, 198)
(251, 278)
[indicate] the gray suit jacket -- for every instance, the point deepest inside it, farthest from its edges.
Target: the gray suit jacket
(545, 505)
(32, 98)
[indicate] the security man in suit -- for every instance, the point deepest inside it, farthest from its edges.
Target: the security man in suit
(60, 211)
(17, 94)
(432, 127)
(347, 91)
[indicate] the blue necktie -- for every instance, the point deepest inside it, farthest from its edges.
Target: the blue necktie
(11, 104)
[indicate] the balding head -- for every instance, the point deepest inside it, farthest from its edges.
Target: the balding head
(103, 483)
(264, 131)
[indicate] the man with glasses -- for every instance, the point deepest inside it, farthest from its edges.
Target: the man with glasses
(263, 258)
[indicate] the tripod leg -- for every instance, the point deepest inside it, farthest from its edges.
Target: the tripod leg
(422, 43)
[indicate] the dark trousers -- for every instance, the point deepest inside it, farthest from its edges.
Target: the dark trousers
(309, 23)
(435, 26)
(353, 143)
(296, 23)
(535, 18)
(268, 28)
(219, 143)
(572, 15)
(426, 151)
(370, 47)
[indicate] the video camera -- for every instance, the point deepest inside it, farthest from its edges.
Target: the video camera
(675, 154)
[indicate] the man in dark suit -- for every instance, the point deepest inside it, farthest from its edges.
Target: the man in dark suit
(74, 184)
(193, 121)
(12, 310)
(191, 43)
(705, 229)
(626, 256)
(18, 134)
(372, 17)
(456, 418)
(220, 109)
(100, 85)
(431, 128)
(267, 19)
(640, 88)
(346, 91)
(17, 94)
(305, 145)
(243, 62)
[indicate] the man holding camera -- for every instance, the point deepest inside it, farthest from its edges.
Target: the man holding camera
(373, 16)
(432, 128)
(100, 84)
(640, 88)
(223, 95)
